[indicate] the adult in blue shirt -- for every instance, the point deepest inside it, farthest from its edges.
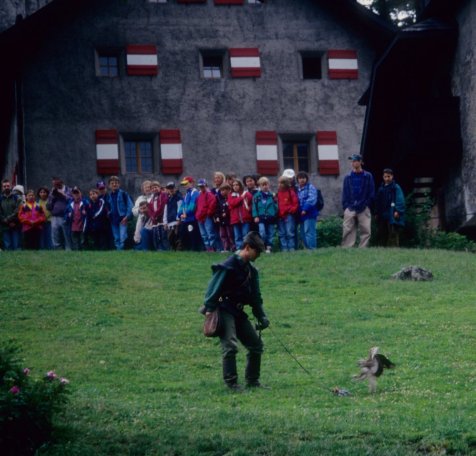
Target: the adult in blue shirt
(357, 196)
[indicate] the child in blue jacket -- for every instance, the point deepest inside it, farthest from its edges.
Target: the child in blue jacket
(265, 211)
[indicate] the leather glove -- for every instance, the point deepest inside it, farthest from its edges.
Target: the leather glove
(263, 323)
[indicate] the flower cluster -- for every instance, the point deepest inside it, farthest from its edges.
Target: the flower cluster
(27, 405)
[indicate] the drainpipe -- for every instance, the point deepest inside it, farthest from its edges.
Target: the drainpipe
(22, 177)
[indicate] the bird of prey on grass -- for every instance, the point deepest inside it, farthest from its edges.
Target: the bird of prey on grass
(373, 367)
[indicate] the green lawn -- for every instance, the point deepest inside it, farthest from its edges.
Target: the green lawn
(124, 328)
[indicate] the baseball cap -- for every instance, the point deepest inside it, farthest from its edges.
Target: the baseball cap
(355, 157)
(289, 173)
(202, 183)
(100, 184)
(170, 184)
(187, 180)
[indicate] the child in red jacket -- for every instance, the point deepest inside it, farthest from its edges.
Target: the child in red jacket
(206, 206)
(32, 219)
(240, 202)
(288, 205)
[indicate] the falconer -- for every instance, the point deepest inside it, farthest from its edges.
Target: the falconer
(235, 283)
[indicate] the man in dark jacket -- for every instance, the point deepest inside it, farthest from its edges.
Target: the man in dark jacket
(10, 226)
(234, 284)
(357, 196)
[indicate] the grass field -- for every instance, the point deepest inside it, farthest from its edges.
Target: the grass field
(124, 328)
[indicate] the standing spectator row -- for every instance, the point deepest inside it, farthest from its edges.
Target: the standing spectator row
(198, 218)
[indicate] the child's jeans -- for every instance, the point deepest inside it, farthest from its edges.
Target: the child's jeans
(146, 240)
(159, 238)
(309, 233)
(240, 230)
(286, 231)
(45, 238)
(119, 232)
(226, 236)
(77, 240)
(266, 231)
(207, 231)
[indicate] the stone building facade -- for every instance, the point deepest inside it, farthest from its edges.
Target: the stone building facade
(461, 195)
(163, 89)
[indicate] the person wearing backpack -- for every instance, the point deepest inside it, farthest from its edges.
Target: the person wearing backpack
(308, 198)
(389, 211)
(120, 206)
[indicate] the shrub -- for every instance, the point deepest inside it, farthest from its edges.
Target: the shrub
(450, 241)
(418, 232)
(27, 406)
(417, 229)
(329, 232)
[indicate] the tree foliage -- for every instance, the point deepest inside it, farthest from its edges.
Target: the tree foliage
(400, 12)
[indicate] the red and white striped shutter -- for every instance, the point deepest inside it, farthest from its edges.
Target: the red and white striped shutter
(171, 152)
(229, 2)
(342, 64)
(107, 152)
(328, 153)
(142, 60)
(267, 153)
(245, 63)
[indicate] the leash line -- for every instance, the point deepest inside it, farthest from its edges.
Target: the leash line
(286, 349)
(289, 352)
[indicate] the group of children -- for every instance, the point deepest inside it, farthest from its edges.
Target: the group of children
(218, 218)
(199, 218)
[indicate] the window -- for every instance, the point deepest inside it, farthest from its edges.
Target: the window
(138, 156)
(296, 155)
(212, 64)
(311, 65)
(107, 63)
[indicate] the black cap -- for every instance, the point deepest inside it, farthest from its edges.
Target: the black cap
(253, 239)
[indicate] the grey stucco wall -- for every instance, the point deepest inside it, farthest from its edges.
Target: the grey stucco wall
(461, 194)
(65, 102)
